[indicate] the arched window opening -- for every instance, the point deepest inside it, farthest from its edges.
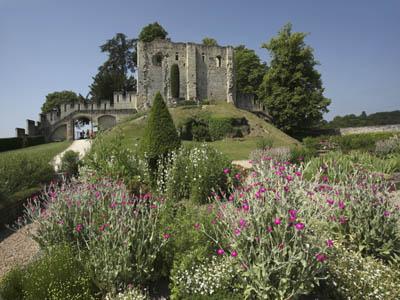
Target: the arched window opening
(203, 57)
(176, 56)
(219, 60)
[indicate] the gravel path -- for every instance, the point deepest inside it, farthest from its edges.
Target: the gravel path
(17, 248)
(80, 146)
(243, 163)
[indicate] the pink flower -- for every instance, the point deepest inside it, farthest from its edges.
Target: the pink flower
(220, 251)
(79, 228)
(321, 257)
(166, 236)
(386, 213)
(237, 231)
(197, 226)
(269, 229)
(113, 205)
(277, 221)
(237, 176)
(299, 226)
(342, 220)
(227, 171)
(246, 207)
(325, 178)
(341, 205)
(293, 214)
(242, 223)
(289, 178)
(98, 195)
(231, 198)
(329, 243)
(297, 173)
(330, 202)
(234, 253)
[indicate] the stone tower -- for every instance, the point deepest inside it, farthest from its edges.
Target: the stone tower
(205, 72)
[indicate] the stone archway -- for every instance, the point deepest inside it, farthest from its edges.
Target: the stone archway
(82, 127)
(59, 133)
(106, 122)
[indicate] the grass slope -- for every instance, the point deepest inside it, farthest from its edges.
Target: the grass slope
(235, 149)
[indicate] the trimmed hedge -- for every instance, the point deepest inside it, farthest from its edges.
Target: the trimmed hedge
(7, 144)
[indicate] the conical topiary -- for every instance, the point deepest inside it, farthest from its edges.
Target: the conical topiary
(160, 135)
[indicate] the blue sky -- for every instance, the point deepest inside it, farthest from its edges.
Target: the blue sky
(51, 45)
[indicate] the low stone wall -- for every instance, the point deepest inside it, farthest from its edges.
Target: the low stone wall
(369, 129)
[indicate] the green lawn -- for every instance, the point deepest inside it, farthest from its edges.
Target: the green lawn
(23, 171)
(235, 149)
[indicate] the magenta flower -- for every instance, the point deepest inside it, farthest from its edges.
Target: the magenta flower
(289, 178)
(227, 171)
(325, 178)
(293, 214)
(329, 243)
(321, 257)
(341, 205)
(237, 176)
(342, 220)
(197, 226)
(234, 253)
(299, 226)
(220, 251)
(231, 198)
(166, 236)
(242, 223)
(297, 173)
(330, 202)
(113, 205)
(386, 213)
(237, 231)
(79, 228)
(270, 229)
(246, 207)
(98, 194)
(277, 221)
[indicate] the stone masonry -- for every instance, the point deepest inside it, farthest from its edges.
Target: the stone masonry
(205, 72)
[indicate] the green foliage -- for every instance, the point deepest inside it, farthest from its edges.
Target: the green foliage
(265, 143)
(195, 173)
(220, 128)
(385, 148)
(70, 163)
(25, 169)
(292, 88)
(55, 99)
(151, 32)
(379, 118)
(116, 73)
(56, 276)
(7, 144)
(207, 41)
(358, 277)
(110, 158)
(250, 70)
(175, 81)
(302, 154)
(160, 136)
(11, 285)
(200, 133)
(120, 237)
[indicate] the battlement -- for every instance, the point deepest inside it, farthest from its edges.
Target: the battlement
(121, 101)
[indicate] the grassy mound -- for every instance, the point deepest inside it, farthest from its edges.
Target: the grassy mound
(234, 148)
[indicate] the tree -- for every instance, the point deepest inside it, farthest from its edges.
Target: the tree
(116, 74)
(175, 81)
(160, 136)
(250, 70)
(292, 88)
(151, 32)
(55, 99)
(207, 41)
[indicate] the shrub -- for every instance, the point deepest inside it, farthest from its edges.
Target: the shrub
(200, 133)
(220, 128)
(212, 276)
(11, 285)
(110, 158)
(195, 173)
(302, 154)
(7, 144)
(160, 135)
(265, 143)
(358, 277)
(388, 146)
(120, 233)
(57, 275)
(175, 81)
(265, 227)
(281, 154)
(70, 163)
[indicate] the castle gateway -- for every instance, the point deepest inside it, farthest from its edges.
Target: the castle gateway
(205, 72)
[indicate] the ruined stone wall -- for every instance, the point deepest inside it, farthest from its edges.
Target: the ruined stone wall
(206, 72)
